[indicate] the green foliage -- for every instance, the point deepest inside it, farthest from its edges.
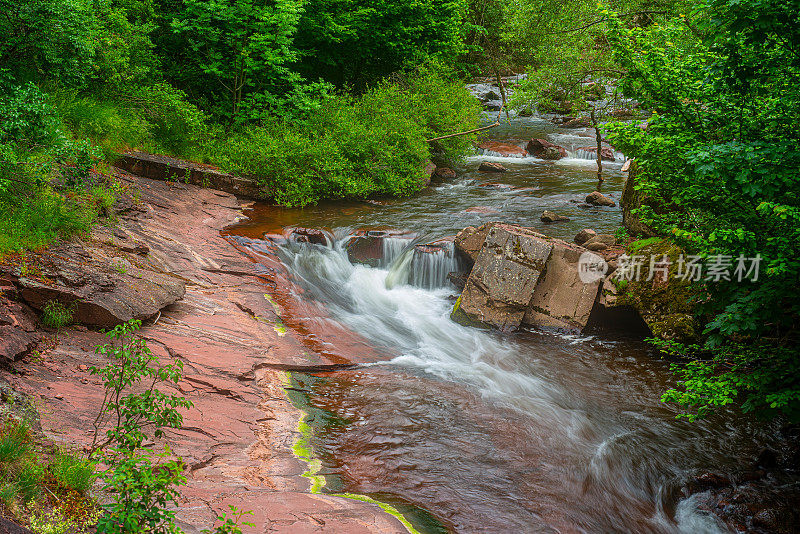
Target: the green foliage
(720, 158)
(52, 522)
(56, 315)
(72, 472)
(15, 441)
(29, 474)
(231, 523)
(56, 37)
(356, 147)
(358, 42)
(241, 50)
(26, 117)
(129, 412)
(142, 485)
(155, 117)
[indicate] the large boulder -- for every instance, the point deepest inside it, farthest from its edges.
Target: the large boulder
(501, 284)
(503, 149)
(544, 149)
(523, 277)
(103, 295)
(665, 303)
(564, 299)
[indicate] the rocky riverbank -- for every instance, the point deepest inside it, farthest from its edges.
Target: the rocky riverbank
(206, 301)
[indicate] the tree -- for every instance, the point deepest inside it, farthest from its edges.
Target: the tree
(244, 50)
(719, 157)
(358, 42)
(47, 40)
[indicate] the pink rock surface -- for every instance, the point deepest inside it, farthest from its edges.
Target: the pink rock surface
(232, 329)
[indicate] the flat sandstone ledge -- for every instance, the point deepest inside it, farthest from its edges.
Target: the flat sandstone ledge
(168, 169)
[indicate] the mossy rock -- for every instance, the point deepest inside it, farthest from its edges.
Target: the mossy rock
(668, 307)
(460, 316)
(633, 199)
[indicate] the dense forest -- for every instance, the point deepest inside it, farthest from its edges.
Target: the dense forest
(338, 99)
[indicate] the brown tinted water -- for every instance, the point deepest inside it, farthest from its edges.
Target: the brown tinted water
(486, 432)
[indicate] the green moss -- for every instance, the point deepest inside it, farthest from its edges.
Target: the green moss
(667, 308)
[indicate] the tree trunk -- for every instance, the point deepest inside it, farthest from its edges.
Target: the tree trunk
(599, 138)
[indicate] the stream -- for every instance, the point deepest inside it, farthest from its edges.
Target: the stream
(467, 430)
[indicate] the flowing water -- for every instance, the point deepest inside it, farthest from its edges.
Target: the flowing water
(477, 431)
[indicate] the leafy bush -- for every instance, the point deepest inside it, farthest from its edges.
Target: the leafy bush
(26, 116)
(72, 472)
(129, 413)
(355, 147)
(56, 315)
(142, 485)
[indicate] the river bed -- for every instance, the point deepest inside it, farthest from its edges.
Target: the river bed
(476, 431)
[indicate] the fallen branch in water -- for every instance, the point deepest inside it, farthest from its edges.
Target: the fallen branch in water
(482, 128)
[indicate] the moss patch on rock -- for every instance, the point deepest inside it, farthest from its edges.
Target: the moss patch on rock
(667, 306)
(460, 316)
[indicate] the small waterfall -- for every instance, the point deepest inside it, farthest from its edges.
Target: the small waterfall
(400, 270)
(431, 264)
(493, 154)
(393, 247)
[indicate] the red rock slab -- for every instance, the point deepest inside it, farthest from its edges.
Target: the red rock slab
(234, 344)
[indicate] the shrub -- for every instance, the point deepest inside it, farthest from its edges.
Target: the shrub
(127, 412)
(56, 315)
(72, 472)
(355, 147)
(141, 485)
